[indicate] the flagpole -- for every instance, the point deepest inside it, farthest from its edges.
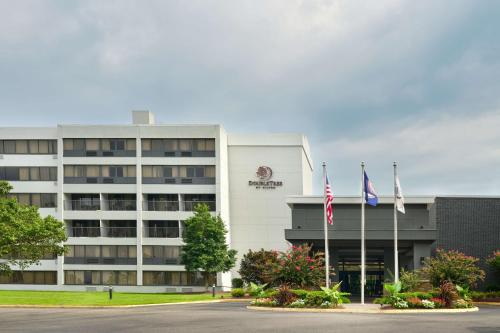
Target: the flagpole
(396, 264)
(327, 255)
(362, 232)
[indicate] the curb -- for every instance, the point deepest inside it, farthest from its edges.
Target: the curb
(487, 303)
(365, 311)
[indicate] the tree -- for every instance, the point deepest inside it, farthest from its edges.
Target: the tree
(257, 266)
(453, 266)
(205, 246)
(26, 237)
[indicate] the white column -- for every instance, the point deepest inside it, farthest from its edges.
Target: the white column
(60, 200)
(139, 227)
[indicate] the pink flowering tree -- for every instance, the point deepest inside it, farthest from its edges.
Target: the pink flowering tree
(299, 267)
(453, 266)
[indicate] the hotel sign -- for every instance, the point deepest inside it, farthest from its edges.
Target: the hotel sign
(264, 175)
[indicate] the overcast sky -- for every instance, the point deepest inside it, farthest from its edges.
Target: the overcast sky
(412, 81)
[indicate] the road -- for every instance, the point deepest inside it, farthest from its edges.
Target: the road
(234, 317)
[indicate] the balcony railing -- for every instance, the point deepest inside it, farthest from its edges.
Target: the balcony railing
(84, 232)
(100, 260)
(119, 204)
(189, 206)
(82, 204)
(112, 232)
(161, 205)
(161, 261)
(161, 232)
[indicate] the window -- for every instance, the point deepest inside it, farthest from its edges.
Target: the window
(147, 251)
(21, 147)
(9, 147)
(33, 146)
(68, 144)
(170, 145)
(147, 171)
(92, 144)
(27, 277)
(130, 144)
(43, 147)
(92, 251)
(34, 173)
(92, 171)
(210, 171)
(11, 173)
(44, 173)
(146, 144)
(23, 198)
(35, 199)
(116, 171)
(53, 173)
(108, 277)
(184, 145)
(24, 174)
(117, 144)
(157, 144)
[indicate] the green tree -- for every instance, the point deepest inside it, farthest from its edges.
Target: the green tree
(26, 237)
(258, 266)
(205, 246)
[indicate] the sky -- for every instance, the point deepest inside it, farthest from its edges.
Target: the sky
(377, 81)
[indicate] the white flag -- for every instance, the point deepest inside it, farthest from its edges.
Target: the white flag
(400, 201)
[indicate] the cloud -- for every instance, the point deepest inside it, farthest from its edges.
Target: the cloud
(335, 70)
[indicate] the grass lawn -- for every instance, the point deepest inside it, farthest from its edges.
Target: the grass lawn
(15, 297)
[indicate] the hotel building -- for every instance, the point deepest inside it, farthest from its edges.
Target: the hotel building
(124, 191)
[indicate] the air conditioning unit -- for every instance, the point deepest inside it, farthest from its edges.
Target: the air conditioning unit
(186, 180)
(108, 261)
(108, 180)
(169, 180)
(108, 153)
(169, 154)
(91, 153)
(92, 180)
(170, 290)
(186, 154)
(187, 290)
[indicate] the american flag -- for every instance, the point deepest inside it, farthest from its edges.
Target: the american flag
(328, 201)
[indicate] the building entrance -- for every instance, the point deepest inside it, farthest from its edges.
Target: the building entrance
(349, 272)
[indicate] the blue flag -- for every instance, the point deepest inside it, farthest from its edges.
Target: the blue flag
(370, 194)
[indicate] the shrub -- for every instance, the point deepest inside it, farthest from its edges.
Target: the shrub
(299, 267)
(453, 266)
(237, 292)
(400, 304)
(237, 283)
(315, 298)
(256, 290)
(300, 303)
(258, 266)
(461, 303)
(414, 302)
(409, 280)
(494, 260)
(301, 293)
(448, 293)
(383, 300)
(335, 296)
(428, 304)
(284, 296)
(438, 302)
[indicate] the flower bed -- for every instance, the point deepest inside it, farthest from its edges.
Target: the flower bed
(447, 296)
(290, 298)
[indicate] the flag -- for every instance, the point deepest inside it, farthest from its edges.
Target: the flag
(400, 201)
(328, 200)
(370, 194)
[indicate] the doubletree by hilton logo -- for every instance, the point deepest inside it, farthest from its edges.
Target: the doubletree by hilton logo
(264, 174)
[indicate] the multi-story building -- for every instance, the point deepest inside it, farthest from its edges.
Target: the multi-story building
(124, 191)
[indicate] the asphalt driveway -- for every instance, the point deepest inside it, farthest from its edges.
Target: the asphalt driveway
(234, 317)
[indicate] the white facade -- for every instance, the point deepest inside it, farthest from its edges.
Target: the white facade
(255, 216)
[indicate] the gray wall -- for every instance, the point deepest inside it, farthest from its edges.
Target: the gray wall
(471, 226)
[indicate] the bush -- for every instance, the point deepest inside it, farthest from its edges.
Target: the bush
(427, 304)
(237, 283)
(259, 266)
(438, 302)
(256, 290)
(264, 302)
(494, 261)
(335, 296)
(315, 298)
(301, 293)
(454, 267)
(284, 296)
(238, 292)
(299, 267)
(414, 302)
(479, 295)
(409, 280)
(448, 293)
(300, 303)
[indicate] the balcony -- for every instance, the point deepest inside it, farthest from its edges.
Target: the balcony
(99, 180)
(119, 204)
(161, 232)
(161, 261)
(100, 261)
(179, 180)
(112, 232)
(82, 204)
(189, 206)
(160, 205)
